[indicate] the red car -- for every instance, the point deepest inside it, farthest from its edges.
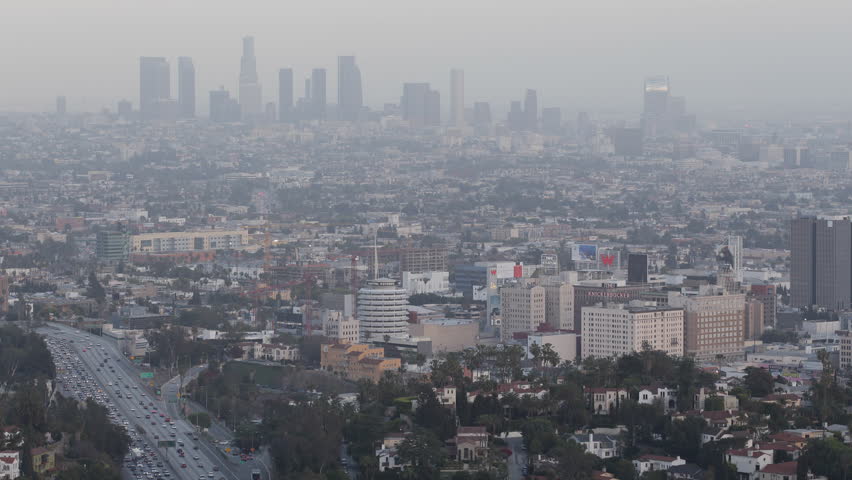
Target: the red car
(182, 465)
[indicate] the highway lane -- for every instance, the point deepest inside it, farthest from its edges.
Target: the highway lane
(122, 384)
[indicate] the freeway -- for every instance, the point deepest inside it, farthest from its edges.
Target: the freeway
(141, 412)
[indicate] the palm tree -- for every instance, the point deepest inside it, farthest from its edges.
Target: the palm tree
(536, 352)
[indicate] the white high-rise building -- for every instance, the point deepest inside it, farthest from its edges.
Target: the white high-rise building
(339, 326)
(522, 307)
(735, 246)
(457, 97)
(382, 310)
(623, 329)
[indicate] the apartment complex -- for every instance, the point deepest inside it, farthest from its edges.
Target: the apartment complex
(622, 329)
(522, 307)
(188, 241)
(713, 325)
(357, 362)
(340, 327)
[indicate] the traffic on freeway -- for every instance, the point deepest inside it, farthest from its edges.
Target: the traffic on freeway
(162, 447)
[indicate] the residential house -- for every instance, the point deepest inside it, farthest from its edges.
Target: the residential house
(656, 463)
(786, 449)
(12, 435)
(601, 446)
(276, 352)
(603, 401)
(10, 464)
(471, 444)
(788, 400)
(778, 471)
(44, 460)
(387, 454)
(446, 396)
(667, 397)
(687, 471)
(748, 461)
(520, 388)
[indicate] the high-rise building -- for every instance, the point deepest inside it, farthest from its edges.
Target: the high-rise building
(637, 268)
(821, 262)
(60, 105)
(515, 118)
(186, 87)
(551, 120)
(382, 310)
(766, 295)
(285, 95)
(457, 97)
(154, 86)
(482, 115)
(559, 304)
(531, 111)
(223, 108)
(754, 321)
(270, 113)
(413, 103)
(623, 329)
(522, 307)
(350, 97)
(318, 94)
(433, 108)
(656, 106)
(251, 103)
(845, 337)
(112, 246)
(735, 247)
(714, 325)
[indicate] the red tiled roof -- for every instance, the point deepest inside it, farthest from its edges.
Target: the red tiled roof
(786, 468)
(659, 458)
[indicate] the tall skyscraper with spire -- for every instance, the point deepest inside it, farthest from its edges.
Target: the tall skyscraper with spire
(350, 97)
(457, 97)
(186, 87)
(250, 92)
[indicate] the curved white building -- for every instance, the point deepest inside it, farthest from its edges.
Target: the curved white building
(382, 310)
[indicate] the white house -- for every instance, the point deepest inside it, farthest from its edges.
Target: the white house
(747, 462)
(10, 464)
(601, 446)
(666, 396)
(656, 463)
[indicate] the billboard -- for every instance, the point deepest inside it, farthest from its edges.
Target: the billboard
(584, 253)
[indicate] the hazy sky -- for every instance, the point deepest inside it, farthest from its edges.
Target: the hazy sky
(724, 55)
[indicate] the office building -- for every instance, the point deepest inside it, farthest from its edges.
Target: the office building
(413, 103)
(382, 310)
(656, 106)
(446, 334)
(154, 86)
(713, 325)
(457, 97)
(515, 118)
(482, 117)
(821, 262)
(767, 295)
(522, 307)
(251, 103)
(433, 108)
(357, 361)
(558, 304)
(188, 241)
(530, 121)
(735, 247)
(186, 88)
(623, 329)
(318, 101)
(637, 268)
(423, 259)
(285, 95)
(340, 327)
(61, 105)
(754, 321)
(350, 98)
(845, 337)
(111, 246)
(223, 108)
(608, 293)
(551, 120)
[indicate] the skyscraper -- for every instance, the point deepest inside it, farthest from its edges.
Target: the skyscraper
(154, 85)
(186, 87)
(285, 95)
(60, 105)
(531, 110)
(637, 268)
(457, 97)
(413, 103)
(250, 91)
(349, 94)
(821, 262)
(223, 108)
(515, 119)
(318, 98)
(656, 106)
(382, 310)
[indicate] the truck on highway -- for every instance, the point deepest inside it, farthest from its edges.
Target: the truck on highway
(255, 474)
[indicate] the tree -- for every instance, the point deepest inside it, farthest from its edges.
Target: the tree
(96, 290)
(828, 457)
(759, 381)
(422, 449)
